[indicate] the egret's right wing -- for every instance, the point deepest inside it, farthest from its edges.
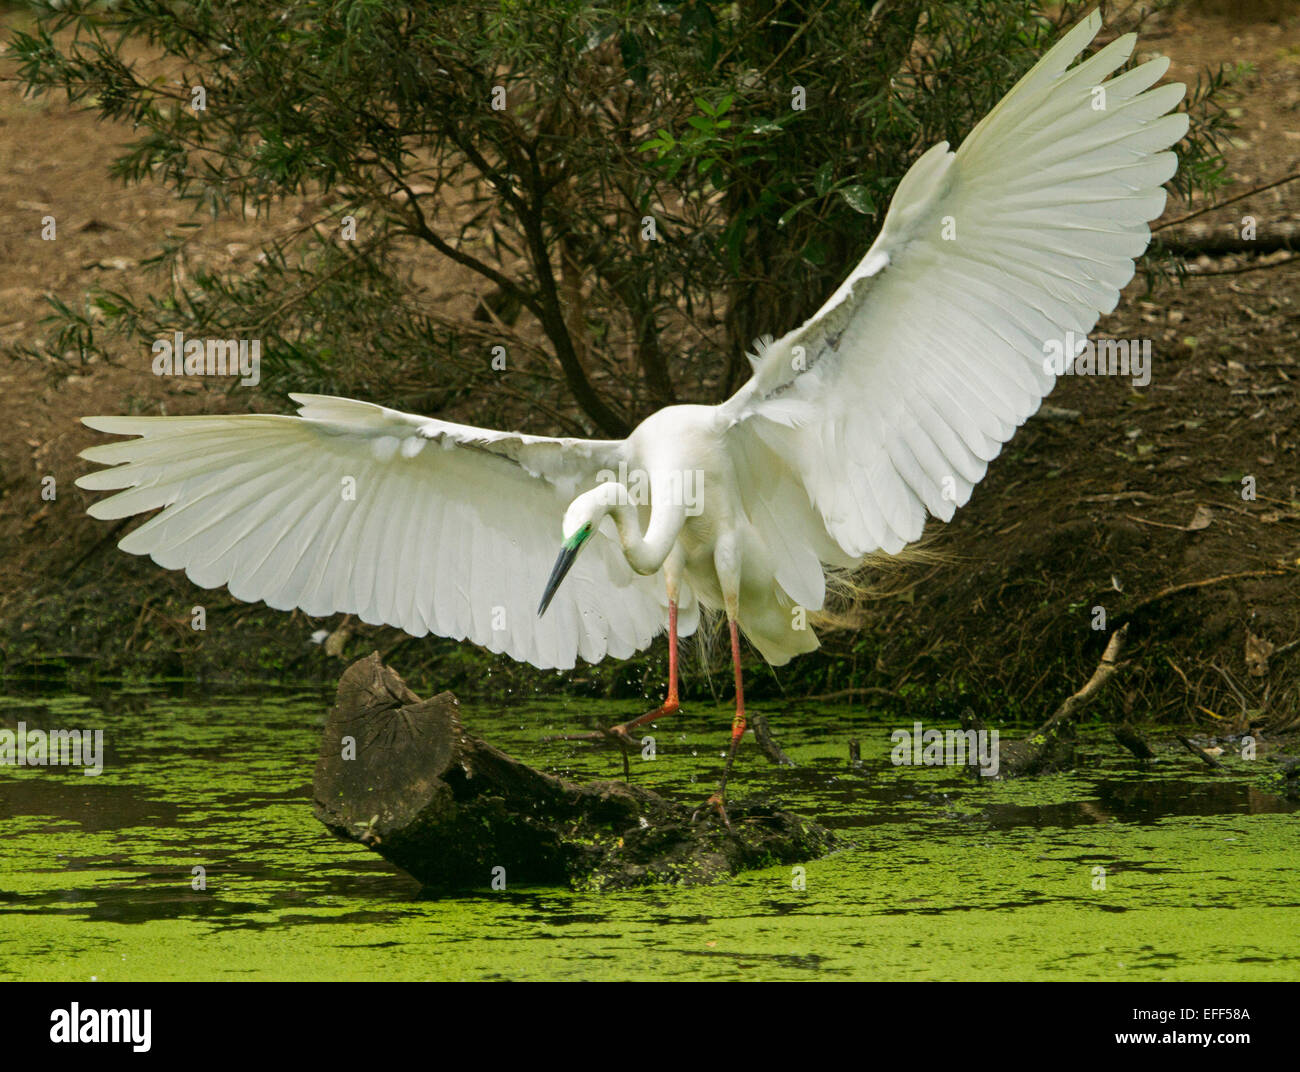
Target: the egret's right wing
(893, 398)
(403, 520)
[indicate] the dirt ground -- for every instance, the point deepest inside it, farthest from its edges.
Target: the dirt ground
(1126, 499)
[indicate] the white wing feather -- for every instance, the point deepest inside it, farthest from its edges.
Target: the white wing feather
(452, 530)
(893, 398)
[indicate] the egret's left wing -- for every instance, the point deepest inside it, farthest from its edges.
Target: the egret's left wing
(404, 520)
(894, 397)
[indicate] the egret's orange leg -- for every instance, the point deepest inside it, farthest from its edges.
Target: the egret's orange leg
(622, 732)
(670, 706)
(718, 801)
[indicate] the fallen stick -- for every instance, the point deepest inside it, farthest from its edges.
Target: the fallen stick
(1226, 201)
(1130, 739)
(1051, 746)
(1285, 649)
(1187, 586)
(766, 742)
(1074, 703)
(1200, 753)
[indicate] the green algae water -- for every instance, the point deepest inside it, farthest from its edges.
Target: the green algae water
(1108, 873)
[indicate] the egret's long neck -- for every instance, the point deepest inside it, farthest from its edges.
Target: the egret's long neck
(645, 552)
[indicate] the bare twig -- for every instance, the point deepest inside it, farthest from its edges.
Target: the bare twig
(1241, 697)
(1227, 201)
(1200, 753)
(1106, 669)
(1244, 269)
(766, 742)
(1186, 684)
(1164, 593)
(1159, 524)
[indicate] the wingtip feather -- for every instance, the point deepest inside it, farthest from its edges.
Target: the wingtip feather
(115, 425)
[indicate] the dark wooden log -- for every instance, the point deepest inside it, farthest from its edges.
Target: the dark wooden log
(403, 777)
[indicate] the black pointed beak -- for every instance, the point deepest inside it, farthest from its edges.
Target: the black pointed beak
(561, 567)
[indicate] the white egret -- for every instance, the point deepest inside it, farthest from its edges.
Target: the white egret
(886, 405)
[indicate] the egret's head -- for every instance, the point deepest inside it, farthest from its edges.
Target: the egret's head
(581, 519)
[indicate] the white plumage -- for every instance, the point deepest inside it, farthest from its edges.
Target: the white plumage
(886, 405)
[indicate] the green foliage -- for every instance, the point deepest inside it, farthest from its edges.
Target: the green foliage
(763, 138)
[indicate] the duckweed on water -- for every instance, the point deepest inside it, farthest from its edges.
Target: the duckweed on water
(1112, 873)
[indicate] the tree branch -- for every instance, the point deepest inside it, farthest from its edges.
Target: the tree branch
(552, 312)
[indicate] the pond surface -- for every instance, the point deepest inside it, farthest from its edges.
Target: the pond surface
(945, 878)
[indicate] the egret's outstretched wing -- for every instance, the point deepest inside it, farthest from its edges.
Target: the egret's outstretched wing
(403, 520)
(894, 397)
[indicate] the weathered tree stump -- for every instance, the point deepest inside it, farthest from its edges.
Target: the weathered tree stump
(402, 776)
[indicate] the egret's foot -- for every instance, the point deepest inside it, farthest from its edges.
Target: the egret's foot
(619, 735)
(615, 735)
(715, 803)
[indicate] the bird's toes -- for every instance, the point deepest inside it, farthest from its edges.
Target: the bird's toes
(620, 736)
(715, 805)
